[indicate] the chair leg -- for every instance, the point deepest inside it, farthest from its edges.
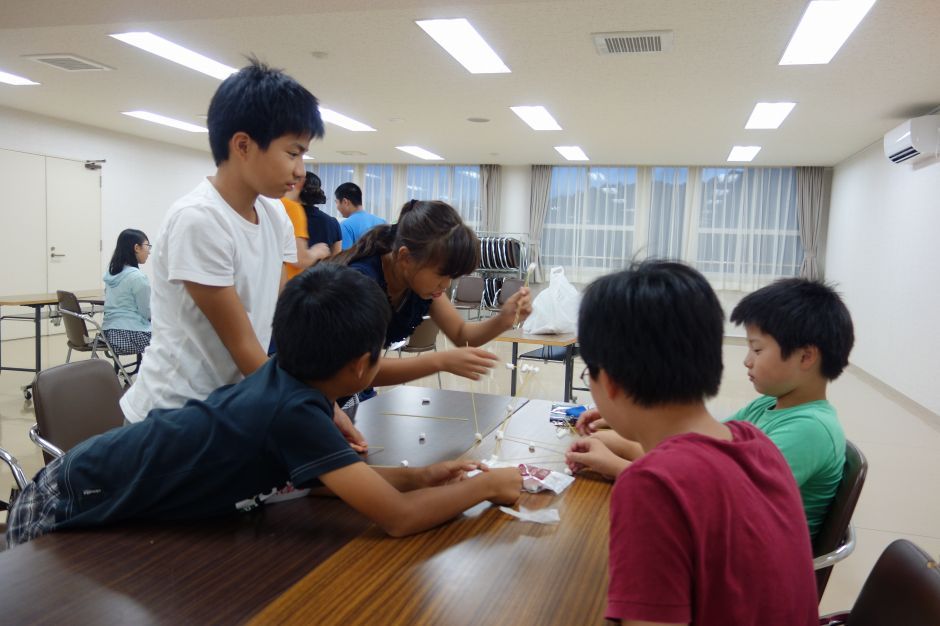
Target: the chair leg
(68, 357)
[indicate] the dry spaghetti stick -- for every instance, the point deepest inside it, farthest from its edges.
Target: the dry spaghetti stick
(430, 417)
(477, 435)
(528, 274)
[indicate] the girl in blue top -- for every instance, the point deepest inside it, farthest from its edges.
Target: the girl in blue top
(127, 294)
(414, 262)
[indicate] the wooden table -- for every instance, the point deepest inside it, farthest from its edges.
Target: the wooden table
(37, 301)
(314, 560)
(565, 340)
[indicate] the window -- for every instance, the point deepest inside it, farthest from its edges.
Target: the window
(331, 177)
(457, 185)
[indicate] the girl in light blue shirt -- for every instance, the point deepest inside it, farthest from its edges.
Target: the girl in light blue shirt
(127, 295)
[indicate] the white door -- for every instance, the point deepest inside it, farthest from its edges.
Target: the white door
(23, 251)
(73, 225)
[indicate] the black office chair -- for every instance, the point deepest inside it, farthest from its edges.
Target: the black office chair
(836, 538)
(903, 588)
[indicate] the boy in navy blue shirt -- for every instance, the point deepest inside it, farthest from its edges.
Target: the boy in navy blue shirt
(233, 450)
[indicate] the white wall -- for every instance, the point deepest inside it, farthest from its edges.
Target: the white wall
(884, 256)
(139, 181)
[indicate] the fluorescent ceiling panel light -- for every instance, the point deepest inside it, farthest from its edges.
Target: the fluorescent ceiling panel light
(465, 44)
(825, 26)
(572, 153)
(166, 121)
(342, 121)
(743, 153)
(170, 51)
(769, 115)
(537, 117)
(13, 79)
(307, 157)
(419, 152)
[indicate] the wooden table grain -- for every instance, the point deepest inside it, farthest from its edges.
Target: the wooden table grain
(315, 560)
(484, 568)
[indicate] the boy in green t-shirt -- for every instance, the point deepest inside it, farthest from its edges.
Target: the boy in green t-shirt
(799, 335)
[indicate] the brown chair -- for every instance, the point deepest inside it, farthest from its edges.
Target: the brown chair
(74, 402)
(76, 332)
(903, 588)
(19, 477)
(423, 339)
(469, 294)
(836, 537)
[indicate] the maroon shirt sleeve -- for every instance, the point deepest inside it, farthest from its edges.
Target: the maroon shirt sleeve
(650, 552)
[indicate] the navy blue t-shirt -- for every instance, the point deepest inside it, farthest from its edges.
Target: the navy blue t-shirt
(410, 312)
(322, 228)
(207, 458)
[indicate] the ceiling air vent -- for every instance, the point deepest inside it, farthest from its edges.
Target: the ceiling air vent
(646, 42)
(69, 62)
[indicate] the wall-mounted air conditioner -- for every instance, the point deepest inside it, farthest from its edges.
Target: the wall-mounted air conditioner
(919, 136)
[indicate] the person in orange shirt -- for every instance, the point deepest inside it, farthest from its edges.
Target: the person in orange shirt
(307, 256)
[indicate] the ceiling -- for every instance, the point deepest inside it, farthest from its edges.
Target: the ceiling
(684, 107)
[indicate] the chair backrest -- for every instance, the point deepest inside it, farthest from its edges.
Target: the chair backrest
(469, 290)
(76, 401)
(75, 330)
(902, 588)
(510, 287)
(836, 523)
(424, 337)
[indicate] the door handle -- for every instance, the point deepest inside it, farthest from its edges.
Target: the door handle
(54, 255)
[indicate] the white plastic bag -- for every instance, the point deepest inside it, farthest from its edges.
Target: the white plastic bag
(555, 310)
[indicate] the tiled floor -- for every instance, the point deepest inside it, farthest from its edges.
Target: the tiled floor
(901, 442)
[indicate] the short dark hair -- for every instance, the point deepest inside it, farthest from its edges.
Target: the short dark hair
(798, 312)
(263, 102)
(349, 191)
(656, 329)
(434, 233)
(316, 330)
(124, 252)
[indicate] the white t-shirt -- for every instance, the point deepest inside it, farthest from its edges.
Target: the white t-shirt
(203, 240)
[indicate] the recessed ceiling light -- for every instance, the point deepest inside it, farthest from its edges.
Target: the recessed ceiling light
(537, 117)
(170, 51)
(464, 43)
(342, 121)
(768, 115)
(421, 153)
(825, 26)
(743, 153)
(166, 121)
(13, 79)
(572, 153)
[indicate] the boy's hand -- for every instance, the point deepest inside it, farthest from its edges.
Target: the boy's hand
(468, 362)
(519, 304)
(320, 251)
(446, 472)
(591, 453)
(589, 422)
(506, 484)
(356, 441)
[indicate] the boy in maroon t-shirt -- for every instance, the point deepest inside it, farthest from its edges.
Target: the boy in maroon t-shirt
(707, 528)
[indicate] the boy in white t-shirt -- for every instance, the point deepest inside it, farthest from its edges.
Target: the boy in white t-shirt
(218, 260)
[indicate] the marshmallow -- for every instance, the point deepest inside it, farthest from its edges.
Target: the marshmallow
(404, 463)
(510, 366)
(499, 435)
(422, 437)
(531, 447)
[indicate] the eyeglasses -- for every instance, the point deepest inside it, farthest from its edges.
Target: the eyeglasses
(586, 377)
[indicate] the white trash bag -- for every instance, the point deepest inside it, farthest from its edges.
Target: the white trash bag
(555, 309)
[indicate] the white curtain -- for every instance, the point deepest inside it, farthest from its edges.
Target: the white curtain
(737, 225)
(331, 177)
(458, 185)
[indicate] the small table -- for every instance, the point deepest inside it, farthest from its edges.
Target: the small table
(37, 301)
(566, 341)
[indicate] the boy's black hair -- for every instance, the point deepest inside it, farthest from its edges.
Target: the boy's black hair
(656, 329)
(124, 252)
(349, 191)
(263, 102)
(316, 330)
(798, 312)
